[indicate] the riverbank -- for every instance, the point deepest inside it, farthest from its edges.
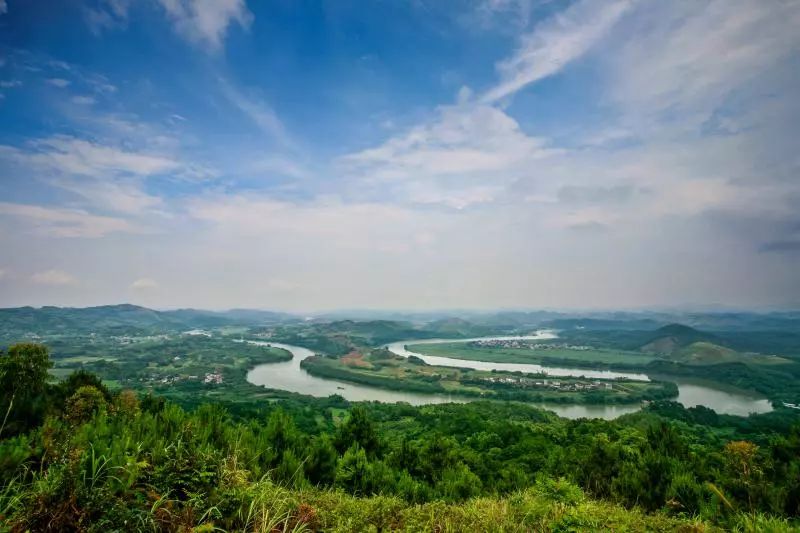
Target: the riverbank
(289, 376)
(536, 352)
(381, 368)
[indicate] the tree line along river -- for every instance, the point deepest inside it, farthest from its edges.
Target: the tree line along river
(290, 377)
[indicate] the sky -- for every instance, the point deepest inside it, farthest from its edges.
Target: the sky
(311, 155)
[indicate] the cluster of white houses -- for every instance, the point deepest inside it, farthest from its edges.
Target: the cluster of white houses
(211, 378)
(566, 386)
(527, 345)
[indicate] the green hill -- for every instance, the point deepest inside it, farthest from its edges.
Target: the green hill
(673, 337)
(706, 353)
(120, 319)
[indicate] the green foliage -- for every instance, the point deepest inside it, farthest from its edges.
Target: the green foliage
(358, 430)
(23, 378)
(149, 464)
(86, 403)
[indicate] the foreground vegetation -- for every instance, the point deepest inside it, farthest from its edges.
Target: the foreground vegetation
(74, 456)
(382, 368)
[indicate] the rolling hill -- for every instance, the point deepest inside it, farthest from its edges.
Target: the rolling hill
(673, 337)
(120, 319)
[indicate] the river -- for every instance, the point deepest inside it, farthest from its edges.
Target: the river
(289, 376)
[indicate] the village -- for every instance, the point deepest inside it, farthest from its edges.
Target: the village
(527, 345)
(210, 378)
(564, 386)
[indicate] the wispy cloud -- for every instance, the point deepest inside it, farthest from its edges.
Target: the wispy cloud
(258, 111)
(555, 43)
(71, 155)
(683, 58)
(108, 14)
(62, 222)
(54, 277)
(83, 100)
(58, 82)
(206, 22)
(787, 247)
(143, 284)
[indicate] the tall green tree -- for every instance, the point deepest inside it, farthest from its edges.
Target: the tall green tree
(358, 429)
(23, 376)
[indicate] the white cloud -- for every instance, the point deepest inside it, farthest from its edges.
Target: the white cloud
(58, 82)
(463, 156)
(257, 111)
(278, 165)
(348, 226)
(144, 284)
(206, 22)
(66, 223)
(3, 7)
(119, 196)
(107, 15)
(282, 285)
(679, 61)
(555, 43)
(83, 100)
(71, 155)
(517, 12)
(8, 84)
(54, 277)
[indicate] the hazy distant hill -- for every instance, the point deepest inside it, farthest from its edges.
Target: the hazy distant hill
(609, 324)
(376, 332)
(668, 339)
(120, 319)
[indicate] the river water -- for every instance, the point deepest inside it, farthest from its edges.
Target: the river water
(289, 376)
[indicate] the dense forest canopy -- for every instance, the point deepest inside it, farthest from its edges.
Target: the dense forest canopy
(76, 456)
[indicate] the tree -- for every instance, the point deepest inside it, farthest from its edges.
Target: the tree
(320, 466)
(81, 378)
(352, 472)
(127, 403)
(360, 430)
(742, 462)
(23, 374)
(85, 404)
(458, 484)
(281, 434)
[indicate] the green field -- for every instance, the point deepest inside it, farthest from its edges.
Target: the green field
(595, 357)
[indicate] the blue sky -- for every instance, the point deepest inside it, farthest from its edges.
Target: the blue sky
(476, 153)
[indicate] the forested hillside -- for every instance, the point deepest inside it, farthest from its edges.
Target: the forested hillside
(77, 457)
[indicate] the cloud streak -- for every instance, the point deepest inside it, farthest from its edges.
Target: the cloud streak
(206, 22)
(64, 223)
(554, 44)
(54, 278)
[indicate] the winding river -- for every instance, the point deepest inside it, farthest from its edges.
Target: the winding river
(289, 376)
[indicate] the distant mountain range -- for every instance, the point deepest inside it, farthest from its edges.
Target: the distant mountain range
(124, 317)
(651, 332)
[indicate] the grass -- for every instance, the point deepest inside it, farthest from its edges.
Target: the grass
(83, 359)
(264, 507)
(594, 356)
(706, 353)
